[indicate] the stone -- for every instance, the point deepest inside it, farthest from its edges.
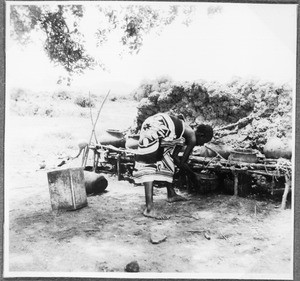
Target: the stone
(157, 238)
(132, 267)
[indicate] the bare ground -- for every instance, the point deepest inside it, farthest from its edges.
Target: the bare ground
(209, 234)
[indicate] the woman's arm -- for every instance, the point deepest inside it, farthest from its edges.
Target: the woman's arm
(190, 141)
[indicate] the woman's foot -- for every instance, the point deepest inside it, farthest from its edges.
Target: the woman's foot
(152, 214)
(176, 198)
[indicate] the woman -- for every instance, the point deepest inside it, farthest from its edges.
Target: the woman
(161, 139)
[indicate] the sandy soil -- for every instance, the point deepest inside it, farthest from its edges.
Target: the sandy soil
(209, 234)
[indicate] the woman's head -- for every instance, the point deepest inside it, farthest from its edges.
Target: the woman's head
(204, 134)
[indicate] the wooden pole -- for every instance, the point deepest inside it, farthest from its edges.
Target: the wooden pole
(287, 187)
(236, 183)
(91, 115)
(93, 131)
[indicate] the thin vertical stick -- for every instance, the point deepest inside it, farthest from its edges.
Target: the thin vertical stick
(93, 130)
(91, 115)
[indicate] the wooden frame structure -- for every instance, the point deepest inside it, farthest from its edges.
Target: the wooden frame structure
(268, 167)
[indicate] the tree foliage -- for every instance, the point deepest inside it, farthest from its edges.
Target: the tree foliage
(64, 41)
(64, 45)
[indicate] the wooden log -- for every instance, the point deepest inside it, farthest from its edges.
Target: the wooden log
(241, 123)
(222, 134)
(246, 171)
(219, 168)
(199, 159)
(269, 173)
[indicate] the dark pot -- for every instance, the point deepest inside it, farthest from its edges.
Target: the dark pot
(205, 182)
(94, 183)
(109, 139)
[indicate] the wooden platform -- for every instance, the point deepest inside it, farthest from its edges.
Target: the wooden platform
(272, 168)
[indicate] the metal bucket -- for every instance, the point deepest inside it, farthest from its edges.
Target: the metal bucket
(67, 189)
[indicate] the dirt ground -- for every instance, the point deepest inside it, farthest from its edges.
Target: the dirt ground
(214, 235)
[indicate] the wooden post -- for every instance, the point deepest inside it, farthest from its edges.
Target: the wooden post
(84, 155)
(94, 162)
(188, 182)
(236, 183)
(272, 185)
(119, 166)
(287, 188)
(96, 159)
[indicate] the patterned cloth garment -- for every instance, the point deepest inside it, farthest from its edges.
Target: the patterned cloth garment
(159, 135)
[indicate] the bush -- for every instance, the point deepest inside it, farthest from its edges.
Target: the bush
(84, 101)
(62, 95)
(147, 87)
(220, 104)
(18, 95)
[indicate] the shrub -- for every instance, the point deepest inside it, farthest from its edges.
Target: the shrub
(113, 99)
(146, 87)
(62, 95)
(84, 101)
(49, 112)
(221, 104)
(18, 95)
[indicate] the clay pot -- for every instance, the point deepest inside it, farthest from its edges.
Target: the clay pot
(115, 133)
(288, 149)
(94, 183)
(276, 148)
(204, 152)
(243, 155)
(112, 139)
(222, 149)
(132, 141)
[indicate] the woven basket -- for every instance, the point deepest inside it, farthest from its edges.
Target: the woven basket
(205, 183)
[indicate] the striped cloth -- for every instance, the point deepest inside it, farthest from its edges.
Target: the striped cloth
(157, 141)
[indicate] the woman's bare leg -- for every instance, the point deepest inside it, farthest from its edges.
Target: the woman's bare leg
(149, 196)
(150, 211)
